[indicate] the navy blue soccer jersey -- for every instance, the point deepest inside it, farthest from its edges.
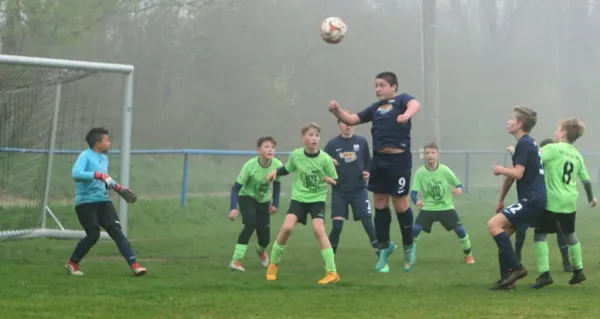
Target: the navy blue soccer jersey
(385, 129)
(353, 157)
(531, 187)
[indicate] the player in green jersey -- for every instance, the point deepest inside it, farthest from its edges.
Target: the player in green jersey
(251, 192)
(437, 183)
(313, 169)
(562, 163)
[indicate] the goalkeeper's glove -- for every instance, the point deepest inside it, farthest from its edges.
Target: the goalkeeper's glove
(105, 178)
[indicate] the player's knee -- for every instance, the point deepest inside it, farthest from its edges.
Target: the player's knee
(416, 230)
(93, 235)
(572, 239)
(381, 201)
(494, 226)
(539, 237)
(114, 231)
(337, 225)
(318, 227)
(401, 204)
(460, 231)
(250, 223)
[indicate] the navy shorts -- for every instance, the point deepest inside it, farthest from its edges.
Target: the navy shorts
(523, 214)
(359, 201)
(390, 174)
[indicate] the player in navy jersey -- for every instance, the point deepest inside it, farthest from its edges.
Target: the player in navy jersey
(391, 168)
(352, 159)
(528, 171)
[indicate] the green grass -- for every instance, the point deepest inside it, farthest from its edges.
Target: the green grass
(187, 252)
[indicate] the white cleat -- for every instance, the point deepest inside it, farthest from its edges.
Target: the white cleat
(264, 259)
(73, 268)
(237, 265)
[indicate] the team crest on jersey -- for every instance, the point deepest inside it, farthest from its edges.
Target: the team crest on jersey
(384, 108)
(356, 147)
(348, 157)
(436, 189)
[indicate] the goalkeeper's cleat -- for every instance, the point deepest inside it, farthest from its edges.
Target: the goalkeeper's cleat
(384, 255)
(330, 278)
(272, 271)
(469, 260)
(138, 270)
(236, 265)
(264, 258)
(73, 268)
(385, 269)
(409, 257)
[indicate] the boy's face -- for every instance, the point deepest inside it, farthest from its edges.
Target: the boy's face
(431, 155)
(513, 125)
(266, 150)
(346, 130)
(311, 138)
(103, 145)
(383, 90)
(560, 134)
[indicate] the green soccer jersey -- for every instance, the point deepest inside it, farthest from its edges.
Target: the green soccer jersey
(253, 178)
(562, 164)
(436, 186)
(310, 169)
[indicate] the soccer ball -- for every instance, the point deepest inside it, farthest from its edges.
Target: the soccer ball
(333, 30)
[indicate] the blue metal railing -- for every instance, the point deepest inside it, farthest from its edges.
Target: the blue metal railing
(187, 152)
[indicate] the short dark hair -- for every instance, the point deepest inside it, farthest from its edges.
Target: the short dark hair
(95, 135)
(431, 145)
(546, 141)
(389, 77)
(264, 139)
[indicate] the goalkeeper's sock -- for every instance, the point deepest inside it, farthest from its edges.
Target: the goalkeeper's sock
(541, 256)
(239, 253)
(276, 253)
(329, 258)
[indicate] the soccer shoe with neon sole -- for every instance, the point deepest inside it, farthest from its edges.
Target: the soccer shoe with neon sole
(385, 269)
(409, 257)
(272, 272)
(138, 270)
(330, 278)
(73, 268)
(469, 260)
(236, 265)
(263, 257)
(384, 255)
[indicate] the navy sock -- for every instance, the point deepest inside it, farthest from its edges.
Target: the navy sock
(506, 249)
(383, 220)
(334, 235)
(519, 242)
(406, 226)
(503, 266)
(369, 227)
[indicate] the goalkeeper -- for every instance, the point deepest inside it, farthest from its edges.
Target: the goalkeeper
(92, 203)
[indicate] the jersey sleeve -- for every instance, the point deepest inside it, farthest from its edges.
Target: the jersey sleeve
(522, 151)
(404, 98)
(78, 172)
(278, 164)
(366, 114)
(329, 167)
(416, 185)
(244, 173)
(548, 153)
(451, 177)
(290, 166)
(583, 173)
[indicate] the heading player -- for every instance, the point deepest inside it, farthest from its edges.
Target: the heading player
(313, 169)
(437, 182)
(392, 161)
(528, 171)
(253, 200)
(352, 158)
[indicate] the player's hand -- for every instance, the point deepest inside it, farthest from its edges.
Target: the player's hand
(105, 178)
(402, 118)
(334, 107)
(510, 149)
(271, 176)
(329, 180)
(272, 209)
(457, 191)
(594, 202)
(499, 207)
(498, 169)
(419, 204)
(233, 214)
(335, 162)
(366, 175)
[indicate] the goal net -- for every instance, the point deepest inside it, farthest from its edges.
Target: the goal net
(46, 108)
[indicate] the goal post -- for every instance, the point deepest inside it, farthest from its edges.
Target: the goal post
(29, 123)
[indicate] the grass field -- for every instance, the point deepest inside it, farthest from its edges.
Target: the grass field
(187, 252)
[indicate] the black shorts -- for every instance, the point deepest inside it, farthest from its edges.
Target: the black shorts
(448, 218)
(390, 174)
(551, 223)
(253, 212)
(92, 216)
(302, 210)
(359, 201)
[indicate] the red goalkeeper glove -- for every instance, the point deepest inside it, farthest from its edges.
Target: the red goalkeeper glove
(105, 178)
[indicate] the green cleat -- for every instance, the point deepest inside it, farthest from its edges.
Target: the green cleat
(384, 254)
(409, 257)
(385, 269)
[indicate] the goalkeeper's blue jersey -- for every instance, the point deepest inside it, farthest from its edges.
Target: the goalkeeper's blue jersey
(88, 189)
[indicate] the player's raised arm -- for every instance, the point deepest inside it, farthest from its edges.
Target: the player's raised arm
(344, 116)
(412, 108)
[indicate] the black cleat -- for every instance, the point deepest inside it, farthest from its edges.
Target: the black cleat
(578, 277)
(497, 287)
(513, 276)
(543, 280)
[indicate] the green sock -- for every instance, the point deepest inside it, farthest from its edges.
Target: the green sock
(575, 256)
(260, 249)
(466, 245)
(276, 253)
(541, 256)
(329, 258)
(239, 253)
(415, 240)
